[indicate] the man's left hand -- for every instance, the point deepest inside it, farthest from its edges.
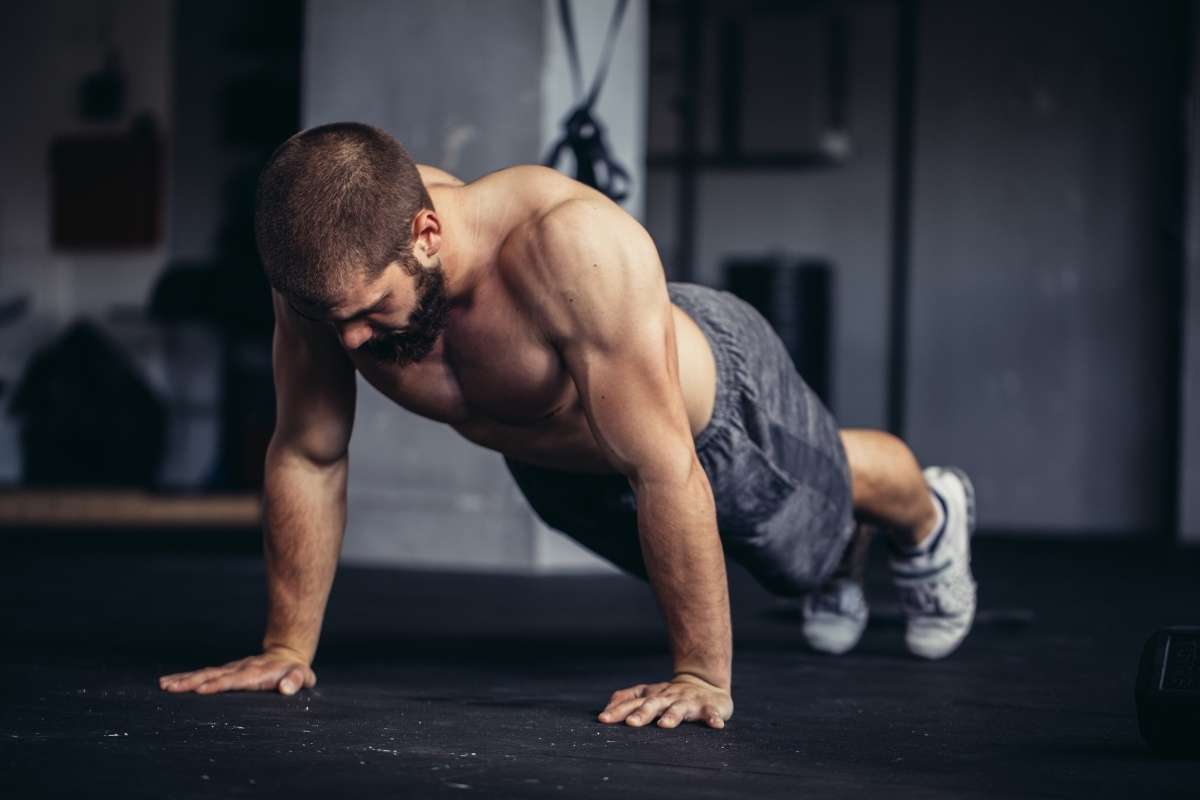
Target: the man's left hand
(684, 698)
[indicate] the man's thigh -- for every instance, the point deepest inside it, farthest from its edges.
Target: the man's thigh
(783, 506)
(788, 530)
(772, 451)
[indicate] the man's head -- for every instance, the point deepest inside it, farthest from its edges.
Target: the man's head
(347, 234)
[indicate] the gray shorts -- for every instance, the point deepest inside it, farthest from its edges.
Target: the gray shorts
(771, 451)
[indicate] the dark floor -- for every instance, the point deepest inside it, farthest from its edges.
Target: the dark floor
(450, 685)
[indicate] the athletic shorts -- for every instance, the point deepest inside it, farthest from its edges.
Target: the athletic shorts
(771, 451)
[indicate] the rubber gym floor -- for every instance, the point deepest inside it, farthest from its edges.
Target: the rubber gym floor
(454, 685)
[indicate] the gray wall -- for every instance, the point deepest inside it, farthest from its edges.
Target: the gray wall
(464, 86)
(1040, 272)
(458, 82)
(840, 214)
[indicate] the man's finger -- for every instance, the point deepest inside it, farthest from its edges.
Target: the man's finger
(181, 676)
(213, 686)
(291, 682)
(649, 710)
(174, 676)
(677, 712)
(177, 676)
(712, 717)
(248, 678)
(310, 677)
(618, 712)
(632, 692)
(191, 680)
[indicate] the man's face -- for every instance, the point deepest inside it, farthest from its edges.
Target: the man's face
(415, 340)
(372, 319)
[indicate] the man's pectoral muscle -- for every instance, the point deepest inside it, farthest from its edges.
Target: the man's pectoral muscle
(601, 294)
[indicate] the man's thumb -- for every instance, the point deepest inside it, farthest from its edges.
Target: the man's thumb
(291, 682)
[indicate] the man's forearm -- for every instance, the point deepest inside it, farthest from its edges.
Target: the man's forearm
(686, 566)
(304, 517)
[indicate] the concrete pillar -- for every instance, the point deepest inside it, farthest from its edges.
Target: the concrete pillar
(470, 87)
(1189, 473)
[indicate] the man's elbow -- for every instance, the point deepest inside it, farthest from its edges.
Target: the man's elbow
(312, 453)
(679, 468)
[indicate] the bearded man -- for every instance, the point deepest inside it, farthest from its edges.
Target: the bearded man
(662, 425)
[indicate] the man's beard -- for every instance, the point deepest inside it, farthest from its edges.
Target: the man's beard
(425, 324)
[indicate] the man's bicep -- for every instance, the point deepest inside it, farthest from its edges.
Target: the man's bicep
(635, 407)
(314, 388)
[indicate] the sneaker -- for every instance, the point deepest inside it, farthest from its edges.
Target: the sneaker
(835, 615)
(937, 590)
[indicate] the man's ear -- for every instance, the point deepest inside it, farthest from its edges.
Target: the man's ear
(426, 234)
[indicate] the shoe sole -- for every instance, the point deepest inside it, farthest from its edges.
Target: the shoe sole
(845, 639)
(930, 655)
(832, 645)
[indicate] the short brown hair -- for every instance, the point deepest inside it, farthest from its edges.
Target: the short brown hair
(335, 200)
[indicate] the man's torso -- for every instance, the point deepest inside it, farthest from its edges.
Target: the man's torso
(493, 376)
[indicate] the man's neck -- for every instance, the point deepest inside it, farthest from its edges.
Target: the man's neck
(466, 247)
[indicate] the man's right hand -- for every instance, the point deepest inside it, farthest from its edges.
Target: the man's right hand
(277, 669)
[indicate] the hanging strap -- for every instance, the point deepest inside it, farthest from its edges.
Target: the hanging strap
(583, 134)
(568, 27)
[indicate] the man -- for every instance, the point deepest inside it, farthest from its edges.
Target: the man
(662, 425)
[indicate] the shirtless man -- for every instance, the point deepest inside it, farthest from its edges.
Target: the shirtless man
(660, 424)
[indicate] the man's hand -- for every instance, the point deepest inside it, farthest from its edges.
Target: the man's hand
(277, 669)
(683, 699)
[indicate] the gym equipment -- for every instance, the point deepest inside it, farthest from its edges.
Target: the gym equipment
(87, 415)
(795, 294)
(1168, 691)
(583, 134)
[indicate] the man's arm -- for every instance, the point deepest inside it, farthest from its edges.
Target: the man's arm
(304, 509)
(604, 302)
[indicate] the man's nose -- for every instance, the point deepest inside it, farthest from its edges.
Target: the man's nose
(355, 334)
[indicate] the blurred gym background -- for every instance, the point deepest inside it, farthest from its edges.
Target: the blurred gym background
(975, 224)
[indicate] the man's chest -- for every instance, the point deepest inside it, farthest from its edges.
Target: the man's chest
(491, 366)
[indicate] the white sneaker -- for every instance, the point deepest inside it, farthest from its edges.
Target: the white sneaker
(835, 615)
(937, 590)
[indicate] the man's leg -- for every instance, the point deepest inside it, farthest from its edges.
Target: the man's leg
(928, 516)
(888, 486)
(835, 614)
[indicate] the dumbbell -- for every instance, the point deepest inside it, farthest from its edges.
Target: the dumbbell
(1168, 691)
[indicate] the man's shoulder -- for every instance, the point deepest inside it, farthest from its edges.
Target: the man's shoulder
(583, 258)
(544, 246)
(533, 177)
(518, 178)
